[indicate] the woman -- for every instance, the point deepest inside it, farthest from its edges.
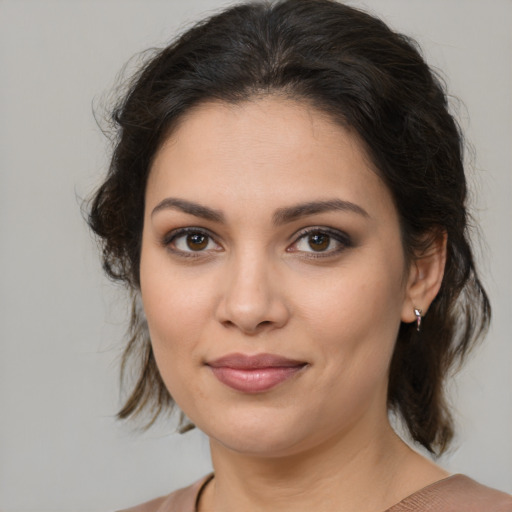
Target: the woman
(286, 201)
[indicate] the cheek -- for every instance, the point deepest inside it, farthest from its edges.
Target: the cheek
(354, 302)
(176, 310)
(174, 317)
(174, 298)
(174, 331)
(355, 319)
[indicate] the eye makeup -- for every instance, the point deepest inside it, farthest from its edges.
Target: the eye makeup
(320, 242)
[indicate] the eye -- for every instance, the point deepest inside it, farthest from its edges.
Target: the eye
(190, 240)
(318, 241)
(321, 241)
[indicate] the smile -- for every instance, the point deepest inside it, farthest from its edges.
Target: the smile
(254, 374)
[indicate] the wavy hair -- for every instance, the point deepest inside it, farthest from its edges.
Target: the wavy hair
(352, 66)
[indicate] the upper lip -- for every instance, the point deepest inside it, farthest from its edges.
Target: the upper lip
(251, 362)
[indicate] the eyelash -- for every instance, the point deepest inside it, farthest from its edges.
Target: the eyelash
(171, 238)
(343, 239)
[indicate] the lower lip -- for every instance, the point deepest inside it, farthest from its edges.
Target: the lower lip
(255, 380)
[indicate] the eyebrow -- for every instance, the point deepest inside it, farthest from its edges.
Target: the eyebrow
(280, 217)
(289, 214)
(198, 210)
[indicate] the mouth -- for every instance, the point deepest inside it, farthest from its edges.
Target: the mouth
(254, 373)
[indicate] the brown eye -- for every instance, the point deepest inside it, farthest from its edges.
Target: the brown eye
(319, 241)
(197, 241)
(191, 241)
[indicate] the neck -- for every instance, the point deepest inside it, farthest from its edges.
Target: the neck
(361, 471)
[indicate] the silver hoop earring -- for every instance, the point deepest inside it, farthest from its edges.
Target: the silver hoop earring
(418, 312)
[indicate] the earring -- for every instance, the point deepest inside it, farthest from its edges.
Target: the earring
(418, 312)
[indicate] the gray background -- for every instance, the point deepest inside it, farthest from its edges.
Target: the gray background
(62, 322)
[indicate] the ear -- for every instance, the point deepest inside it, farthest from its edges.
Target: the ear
(425, 277)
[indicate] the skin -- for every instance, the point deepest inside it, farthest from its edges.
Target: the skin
(255, 286)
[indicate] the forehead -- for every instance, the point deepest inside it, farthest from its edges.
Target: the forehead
(274, 123)
(270, 150)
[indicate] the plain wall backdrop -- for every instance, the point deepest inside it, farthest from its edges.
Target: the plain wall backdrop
(62, 322)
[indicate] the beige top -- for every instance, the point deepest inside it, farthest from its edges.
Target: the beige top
(457, 493)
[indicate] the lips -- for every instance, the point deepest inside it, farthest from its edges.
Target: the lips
(256, 373)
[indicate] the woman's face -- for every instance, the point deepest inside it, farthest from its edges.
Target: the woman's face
(268, 234)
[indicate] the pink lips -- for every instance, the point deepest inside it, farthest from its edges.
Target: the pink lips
(254, 374)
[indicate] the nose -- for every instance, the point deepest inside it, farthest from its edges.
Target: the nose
(252, 297)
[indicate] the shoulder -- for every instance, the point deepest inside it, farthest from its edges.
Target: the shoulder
(182, 500)
(456, 493)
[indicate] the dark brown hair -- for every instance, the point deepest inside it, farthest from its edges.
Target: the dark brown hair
(350, 65)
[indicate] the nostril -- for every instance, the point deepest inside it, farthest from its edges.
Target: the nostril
(259, 327)
(251, 309)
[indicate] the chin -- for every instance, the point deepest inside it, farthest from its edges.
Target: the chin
(263, 435)
(260, 445)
